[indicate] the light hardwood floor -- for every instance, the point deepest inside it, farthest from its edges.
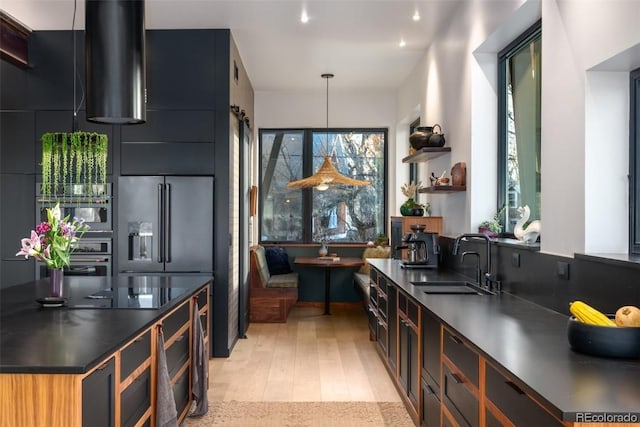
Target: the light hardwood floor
(311, 358)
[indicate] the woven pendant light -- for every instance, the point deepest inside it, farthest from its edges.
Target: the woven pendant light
(327, 175)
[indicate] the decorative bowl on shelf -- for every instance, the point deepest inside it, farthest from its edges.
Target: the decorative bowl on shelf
(605, 341)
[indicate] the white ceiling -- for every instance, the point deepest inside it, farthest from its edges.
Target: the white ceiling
(357, 40)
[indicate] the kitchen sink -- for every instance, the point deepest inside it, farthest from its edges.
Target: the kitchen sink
(459, 287)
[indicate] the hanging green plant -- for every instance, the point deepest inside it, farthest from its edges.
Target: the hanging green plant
(73, 158)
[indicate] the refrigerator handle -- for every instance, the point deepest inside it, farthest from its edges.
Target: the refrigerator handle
(167, 224)
(161, 223)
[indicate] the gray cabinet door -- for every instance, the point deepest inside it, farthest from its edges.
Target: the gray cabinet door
(189, 237)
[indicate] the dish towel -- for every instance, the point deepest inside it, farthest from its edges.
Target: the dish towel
(166, 413)
(199, 362)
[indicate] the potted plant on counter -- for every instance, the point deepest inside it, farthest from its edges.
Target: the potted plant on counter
(492, 228)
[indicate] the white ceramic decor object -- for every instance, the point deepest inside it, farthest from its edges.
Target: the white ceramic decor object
(531, 233)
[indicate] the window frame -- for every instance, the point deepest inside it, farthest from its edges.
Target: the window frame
(531, 33)
(307, 170)
(634, 161)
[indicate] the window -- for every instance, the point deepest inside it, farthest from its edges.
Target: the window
(634, 163)
(339, 214)
(519, 83)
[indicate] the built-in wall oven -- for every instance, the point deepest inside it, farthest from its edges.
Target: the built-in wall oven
(93, 252)
(92, 257)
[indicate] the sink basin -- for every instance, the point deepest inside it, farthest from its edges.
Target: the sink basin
(459, 287)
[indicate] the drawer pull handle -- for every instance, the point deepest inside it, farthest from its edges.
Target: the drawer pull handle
(515, 387)
(139, 339)
(103, 366)
(180, 338)
(430, 390)
(457, 378)
(455, 339)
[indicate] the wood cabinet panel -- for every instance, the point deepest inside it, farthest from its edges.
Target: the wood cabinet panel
(132, 356)
(466, 359)
(135, 400)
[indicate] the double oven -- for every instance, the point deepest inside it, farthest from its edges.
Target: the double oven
(92, 255)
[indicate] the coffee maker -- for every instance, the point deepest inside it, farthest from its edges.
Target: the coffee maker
(422, 248)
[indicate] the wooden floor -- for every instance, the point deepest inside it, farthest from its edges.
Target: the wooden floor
(311, 358)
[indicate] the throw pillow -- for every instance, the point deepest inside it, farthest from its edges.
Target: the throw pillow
(277, 260)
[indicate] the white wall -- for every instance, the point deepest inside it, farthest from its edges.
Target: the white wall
(588, 47)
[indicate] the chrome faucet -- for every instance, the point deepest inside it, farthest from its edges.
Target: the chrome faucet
(489, 279)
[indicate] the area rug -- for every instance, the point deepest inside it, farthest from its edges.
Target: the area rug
(302, 414)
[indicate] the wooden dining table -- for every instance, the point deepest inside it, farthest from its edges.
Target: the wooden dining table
(327, 263)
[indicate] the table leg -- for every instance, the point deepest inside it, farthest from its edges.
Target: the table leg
(327, 290)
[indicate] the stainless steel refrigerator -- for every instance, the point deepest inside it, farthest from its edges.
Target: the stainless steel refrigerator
(165, 224)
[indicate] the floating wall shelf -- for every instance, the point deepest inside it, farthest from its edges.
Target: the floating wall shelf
(426, 153)
(443, 189)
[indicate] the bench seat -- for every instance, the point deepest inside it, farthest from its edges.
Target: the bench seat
(271, 297)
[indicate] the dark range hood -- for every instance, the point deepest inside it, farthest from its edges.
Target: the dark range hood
(115, 61)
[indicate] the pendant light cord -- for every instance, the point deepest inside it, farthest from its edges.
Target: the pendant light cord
(76, 76)
(327, 76)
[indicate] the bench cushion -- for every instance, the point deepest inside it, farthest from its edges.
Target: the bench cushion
(283, 281)
(362, 280)
(263, 268)
(377, 252)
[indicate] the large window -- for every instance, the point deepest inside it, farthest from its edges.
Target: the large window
(341, 213)
(634, 160)
(519, 82)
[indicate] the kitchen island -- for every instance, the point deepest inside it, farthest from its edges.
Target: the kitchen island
(492, 359)
(93, 361)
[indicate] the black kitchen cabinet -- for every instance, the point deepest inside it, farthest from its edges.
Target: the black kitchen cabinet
(409, 373)
(169, 143)
(135, 400)
(98, 396)
(187, 69)
(392, 313)
(431, 349)
(514, 403)
(431, 333)
(18, 219)
(17, 148)
(430, 406)
(382, 327)
(459, 398)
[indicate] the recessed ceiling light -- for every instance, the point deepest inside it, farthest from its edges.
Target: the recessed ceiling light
(402, 43)
(416, 16)
(304, 18)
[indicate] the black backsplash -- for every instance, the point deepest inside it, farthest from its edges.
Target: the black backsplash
(602, 283)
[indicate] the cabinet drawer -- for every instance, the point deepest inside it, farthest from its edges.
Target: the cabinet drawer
(134, 354)
(430, 406)
(514, 402)
(382, 284)
(383, 337)
(178, 354)
(175, 321)
(412, 312)
(462, 356)
(201, 298)
(372, 312)
(382, 307)
(181, 392)
(135, 399)
(491, 420)
(373, 275)
(459, 399)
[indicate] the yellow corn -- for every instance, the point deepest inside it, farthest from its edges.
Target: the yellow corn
(589, 315)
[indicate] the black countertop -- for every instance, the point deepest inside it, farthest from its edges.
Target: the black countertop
(73, 339)
(530, 342)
